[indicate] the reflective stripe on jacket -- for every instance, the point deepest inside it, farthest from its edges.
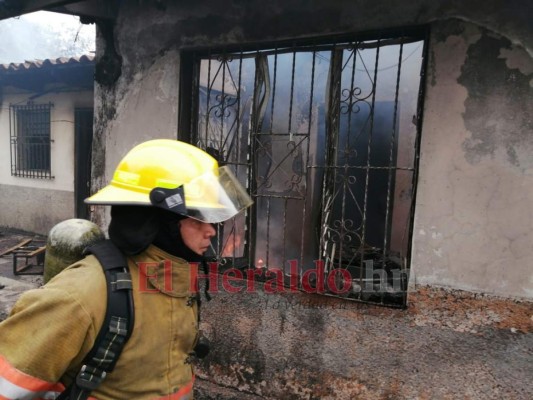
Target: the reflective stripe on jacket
(51, 329)
(15, 384)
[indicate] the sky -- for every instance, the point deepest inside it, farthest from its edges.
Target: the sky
(42, 35)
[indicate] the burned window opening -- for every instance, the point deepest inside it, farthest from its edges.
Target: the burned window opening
(323, 139)
(30, 140)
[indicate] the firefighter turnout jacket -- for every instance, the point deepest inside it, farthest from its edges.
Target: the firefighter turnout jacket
(51, 329)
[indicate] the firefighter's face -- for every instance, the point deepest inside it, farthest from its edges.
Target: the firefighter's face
(196, 234)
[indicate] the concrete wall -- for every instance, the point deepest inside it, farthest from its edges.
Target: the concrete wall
(145, 108)
(473, 211)
(446, 345)
(473, 216)
(35, 205)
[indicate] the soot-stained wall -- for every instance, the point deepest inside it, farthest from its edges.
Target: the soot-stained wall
(446, 345)
(473, 215)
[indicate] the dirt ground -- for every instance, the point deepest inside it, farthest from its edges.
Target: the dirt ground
(13, 285)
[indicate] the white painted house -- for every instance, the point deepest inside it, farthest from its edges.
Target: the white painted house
(46, 117)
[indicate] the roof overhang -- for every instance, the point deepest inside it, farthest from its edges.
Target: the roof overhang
(43, 75)
(88, 10)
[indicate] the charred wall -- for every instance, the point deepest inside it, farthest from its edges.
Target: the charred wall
(476, 135)
(445, 345)
(473, 216)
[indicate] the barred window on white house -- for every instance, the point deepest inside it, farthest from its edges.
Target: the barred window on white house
(30, 140)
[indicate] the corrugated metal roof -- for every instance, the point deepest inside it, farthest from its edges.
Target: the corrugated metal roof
(35, 64)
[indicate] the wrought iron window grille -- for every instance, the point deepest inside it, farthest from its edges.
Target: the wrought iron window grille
(30, 142)
(322, 135)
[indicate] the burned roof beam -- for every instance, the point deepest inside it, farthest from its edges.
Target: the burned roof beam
(88, 9)
(13, 8)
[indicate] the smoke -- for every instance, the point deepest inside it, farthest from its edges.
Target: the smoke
(43, 35)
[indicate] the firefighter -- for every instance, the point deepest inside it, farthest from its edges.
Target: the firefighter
(165, 196)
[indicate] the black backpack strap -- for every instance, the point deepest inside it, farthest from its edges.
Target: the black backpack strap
(116, 328)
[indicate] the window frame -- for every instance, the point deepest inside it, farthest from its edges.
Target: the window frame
(30, 140)
(189, 118)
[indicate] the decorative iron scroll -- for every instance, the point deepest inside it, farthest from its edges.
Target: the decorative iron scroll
(313, 133)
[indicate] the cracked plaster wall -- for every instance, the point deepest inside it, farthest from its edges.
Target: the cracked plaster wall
(474, 215)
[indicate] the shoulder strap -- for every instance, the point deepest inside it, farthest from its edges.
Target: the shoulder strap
(116, 328)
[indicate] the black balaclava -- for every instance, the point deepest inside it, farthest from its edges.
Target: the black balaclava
(133, 228)
(169, 237)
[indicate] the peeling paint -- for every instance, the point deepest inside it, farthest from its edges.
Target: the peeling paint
(498, 110)
(517, 58)
(436, 235)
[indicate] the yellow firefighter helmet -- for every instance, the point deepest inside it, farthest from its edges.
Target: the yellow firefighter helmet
(177, 177)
